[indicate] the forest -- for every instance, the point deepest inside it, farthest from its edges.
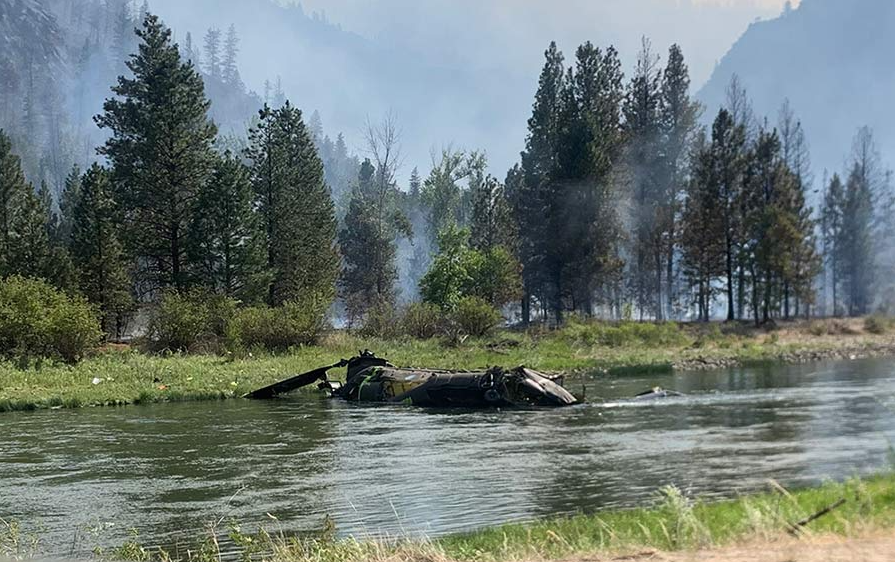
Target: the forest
(226, 211)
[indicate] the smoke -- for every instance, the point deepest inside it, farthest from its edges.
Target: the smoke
(461, 72)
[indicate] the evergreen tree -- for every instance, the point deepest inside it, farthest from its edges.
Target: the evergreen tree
(728, 149)
(415, 184)
(532, 192)
(297, 211)
(13, 192)
(491, 223)
(643, 128)
(370, 272)
(71, 193)
(122, 34)
(97, 253)
(230, 70)
(702, 225)
(678, 115)
(226, 240)
(161, 152)
(279, 96)
(30, 253)
(213, 53)
(855, 246)
(831, 221)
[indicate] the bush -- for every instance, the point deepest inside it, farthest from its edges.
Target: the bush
(877, 324)
(382, 321)
(423, 320)
(278, 329)
(37, 320)
(475, 317)
(183, 321)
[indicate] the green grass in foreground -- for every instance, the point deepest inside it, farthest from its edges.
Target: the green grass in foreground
(130, 377)
(674, 523)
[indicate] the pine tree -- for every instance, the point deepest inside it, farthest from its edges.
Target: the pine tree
(230, 71)
(855, 247)
(491, 223)
(371, 240)
(297, 211)
(213, 53)
(122, 35)
(642, 127)
(369, 275)
(315, 126)
(702, 226)
(96, 251)
(728, 148)
(13, 192)
(30, 253)
(532, 191)
(831, 220)
(415, 185)
(279, 96)
(226, 242)
(71, 194)
(161, 152)
(678, 115)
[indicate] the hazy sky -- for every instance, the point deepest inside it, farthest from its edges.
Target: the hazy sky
(509, 31)
(459, 72)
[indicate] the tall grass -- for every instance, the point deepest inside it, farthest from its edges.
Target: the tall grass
(676, 522)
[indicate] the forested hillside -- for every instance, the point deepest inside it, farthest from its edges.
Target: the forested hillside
(61, 56)
(174, 188)
(832, 60)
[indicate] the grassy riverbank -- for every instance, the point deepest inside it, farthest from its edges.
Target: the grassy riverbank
(675, 523)
(118, 376)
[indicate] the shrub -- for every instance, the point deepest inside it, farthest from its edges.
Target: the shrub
(178, 322)
(877, 325)
(422, 320)
(278, 329)
(183, 321)
(37, 320)
(382, 321)
(817, 328)
(475, 316)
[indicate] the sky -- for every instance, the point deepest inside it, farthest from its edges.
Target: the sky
(512, 29)
(455, 72)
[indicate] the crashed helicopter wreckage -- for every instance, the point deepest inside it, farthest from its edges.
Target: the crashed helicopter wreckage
(373, 379)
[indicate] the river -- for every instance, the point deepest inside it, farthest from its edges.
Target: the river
(84, 477)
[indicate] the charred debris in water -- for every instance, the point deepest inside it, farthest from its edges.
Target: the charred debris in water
(373, 379)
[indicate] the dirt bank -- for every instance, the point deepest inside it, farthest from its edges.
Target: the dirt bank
(879, 547)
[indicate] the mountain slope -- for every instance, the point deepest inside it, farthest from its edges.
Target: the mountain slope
(833, 60)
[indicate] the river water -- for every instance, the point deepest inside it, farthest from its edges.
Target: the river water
(84, 477)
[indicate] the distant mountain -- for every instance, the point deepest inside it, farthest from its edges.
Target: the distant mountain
(833, 59)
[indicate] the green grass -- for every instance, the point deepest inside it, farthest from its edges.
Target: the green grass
(131, 377)
(675, 522)
(678, 523)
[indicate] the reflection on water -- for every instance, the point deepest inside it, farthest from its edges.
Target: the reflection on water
(169, 469)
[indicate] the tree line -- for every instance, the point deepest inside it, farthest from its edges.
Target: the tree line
(622, 204)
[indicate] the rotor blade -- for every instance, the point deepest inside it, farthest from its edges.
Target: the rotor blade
(290, 384)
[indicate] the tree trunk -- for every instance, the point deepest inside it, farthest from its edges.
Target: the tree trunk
(526, 308)
(730, 312)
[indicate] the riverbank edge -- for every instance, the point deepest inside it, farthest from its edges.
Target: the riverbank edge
(118, 378)
(676, 523)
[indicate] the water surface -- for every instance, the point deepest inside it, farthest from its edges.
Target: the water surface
(84, 477)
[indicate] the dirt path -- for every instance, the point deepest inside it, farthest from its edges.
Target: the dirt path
(876, 548)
